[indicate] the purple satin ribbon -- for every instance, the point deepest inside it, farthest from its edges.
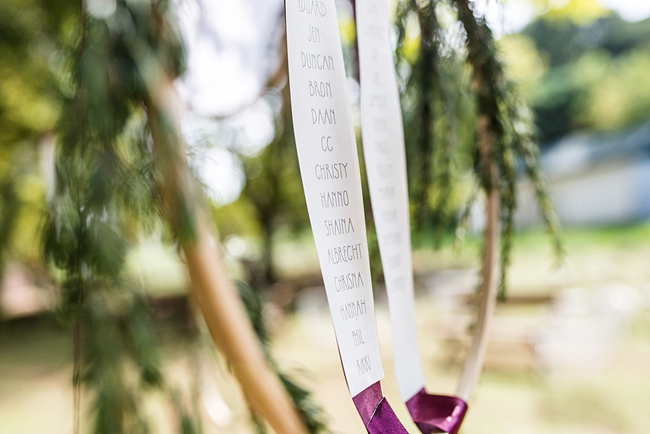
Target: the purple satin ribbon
(436, 413)
(376, 413)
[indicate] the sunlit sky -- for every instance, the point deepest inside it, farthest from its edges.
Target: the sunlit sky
(510, 16)
(631, 10)
(227, 44)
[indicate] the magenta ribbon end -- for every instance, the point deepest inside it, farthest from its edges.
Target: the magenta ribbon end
(376, 412)
(437, 413)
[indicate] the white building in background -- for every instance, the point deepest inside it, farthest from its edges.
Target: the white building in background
(594, 179)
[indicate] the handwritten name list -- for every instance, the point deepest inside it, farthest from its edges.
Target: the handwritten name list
(383, 144)
(329, 168)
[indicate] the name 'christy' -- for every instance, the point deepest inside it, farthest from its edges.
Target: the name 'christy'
(331, 171)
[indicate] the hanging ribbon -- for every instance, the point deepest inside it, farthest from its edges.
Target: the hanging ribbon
(436, 413)
(376, 413)
(383, 143)
(329, 169)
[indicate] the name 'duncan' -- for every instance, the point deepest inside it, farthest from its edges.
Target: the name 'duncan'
(319, 62)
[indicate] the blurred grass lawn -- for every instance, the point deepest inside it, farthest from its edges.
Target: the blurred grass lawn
(35, 357)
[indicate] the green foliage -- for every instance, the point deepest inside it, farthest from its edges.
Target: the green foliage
(107, 198)
(438, 118)
(8, 213)
(437, 112)
(621, 96)
(34, 35)
(423, 94)
(594, 74)
(511, 128)
(103, 203)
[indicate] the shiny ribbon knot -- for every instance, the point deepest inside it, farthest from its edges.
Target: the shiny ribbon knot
(436, 413)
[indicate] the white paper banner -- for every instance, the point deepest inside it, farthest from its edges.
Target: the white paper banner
(383, 145)
(329, 167)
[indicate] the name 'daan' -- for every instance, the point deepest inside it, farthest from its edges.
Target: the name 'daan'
(323, 117)
(312, 7)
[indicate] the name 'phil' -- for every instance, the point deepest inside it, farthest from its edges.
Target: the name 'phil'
(331, 171)
(347, 253)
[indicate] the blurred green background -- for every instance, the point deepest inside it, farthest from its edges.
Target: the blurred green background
(570, 349)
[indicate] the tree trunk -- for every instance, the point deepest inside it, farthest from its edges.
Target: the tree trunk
(211, 287)
(477, 36)
(488, 290)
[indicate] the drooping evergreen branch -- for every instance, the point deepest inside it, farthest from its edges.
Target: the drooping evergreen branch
(76, 369)
(502, 138)
(436, 123)
(102, 204)
(424, 83)
(121, 165)
(510, 125)
(433, 99)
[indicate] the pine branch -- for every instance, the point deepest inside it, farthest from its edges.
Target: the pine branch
(432, 101)
(499, 148)
(499, 103)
